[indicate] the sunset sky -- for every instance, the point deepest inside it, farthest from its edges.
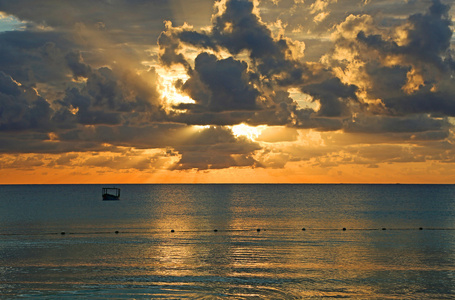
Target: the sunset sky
(263, 91)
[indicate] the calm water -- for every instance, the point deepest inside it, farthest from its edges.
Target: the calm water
(216, 249)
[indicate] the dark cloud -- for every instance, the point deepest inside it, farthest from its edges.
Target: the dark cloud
(204, 148)
(159, 135)
(427, 50)
(221, 85)
(428, 38)
(387, 81)
(194, 117)
(87, 114)
(406, 66)
(430, 35)
(76, 64)
(333, 96)
(21, 108)
(216, 148)
(388, 124)
(238, 29)
(169, 51)
(108, 97)
(256, 83)
(203, 40)
(34, 57)
(314, 18)
(235, 28)
(438, 103)
(306, 119)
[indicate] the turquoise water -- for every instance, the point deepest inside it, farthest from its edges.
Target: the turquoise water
(228, 241)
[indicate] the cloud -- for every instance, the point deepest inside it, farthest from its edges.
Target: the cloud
(438, 103)
(404, 70)
(236, 27)
(94, 78)
(427, 38)
(257, 81)
(388, 124)
(21, 108)
(76, 64)
(278, 134)
(65, 14)
(216, 148)
(34, 57)
(109, 96)
(333, 96)
(221, 85)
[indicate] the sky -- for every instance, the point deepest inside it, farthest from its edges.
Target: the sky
(228, 91)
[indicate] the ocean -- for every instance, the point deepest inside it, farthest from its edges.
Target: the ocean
(223, 241)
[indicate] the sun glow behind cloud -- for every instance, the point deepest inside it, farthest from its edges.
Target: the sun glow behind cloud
(249, 132)
(169, 93)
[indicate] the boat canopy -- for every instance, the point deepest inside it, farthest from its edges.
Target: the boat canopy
(111, 193)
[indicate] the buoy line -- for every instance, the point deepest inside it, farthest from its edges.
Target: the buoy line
(216, 230)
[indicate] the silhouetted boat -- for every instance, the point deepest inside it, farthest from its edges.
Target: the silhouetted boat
(111, 194)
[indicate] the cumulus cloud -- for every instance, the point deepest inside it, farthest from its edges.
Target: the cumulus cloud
(427, 38)
(216, 148)
(408, 66)
(333, 96)
(107, 95)
(34, 57)
(21, 108)
(221, 85)
(255, 76)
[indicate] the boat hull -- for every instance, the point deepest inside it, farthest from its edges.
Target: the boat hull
(111, 193)
(110, 197)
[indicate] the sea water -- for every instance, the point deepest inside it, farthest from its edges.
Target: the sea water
(228, 241)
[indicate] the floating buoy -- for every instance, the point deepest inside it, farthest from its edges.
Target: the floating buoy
(62, 233)
(383, 228)
(116, 232)
(344, 228)
(258, 229)
(172, 230)
(420, 228)
(215, 230)
(303, 229)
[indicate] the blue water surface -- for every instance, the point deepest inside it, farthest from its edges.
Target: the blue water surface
(228, 241)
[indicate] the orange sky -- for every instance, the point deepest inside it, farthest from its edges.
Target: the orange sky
(387, 173)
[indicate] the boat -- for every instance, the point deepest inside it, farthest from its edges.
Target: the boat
(111, 194)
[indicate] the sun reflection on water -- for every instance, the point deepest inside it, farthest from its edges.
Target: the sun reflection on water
(257, 250)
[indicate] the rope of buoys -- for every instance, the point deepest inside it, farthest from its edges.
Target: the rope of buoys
(229, 230)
